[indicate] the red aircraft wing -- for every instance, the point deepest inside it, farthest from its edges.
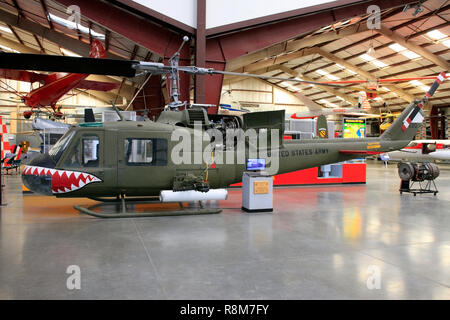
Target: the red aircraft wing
(97, 85)
(21, 75)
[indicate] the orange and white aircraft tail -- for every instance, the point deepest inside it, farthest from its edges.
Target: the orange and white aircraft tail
(97, 50)
(4, 143)
(14, 149)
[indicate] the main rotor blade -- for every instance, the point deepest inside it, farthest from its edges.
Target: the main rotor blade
(130, 68)
(53, 63)
(11, 100)
(250, 75)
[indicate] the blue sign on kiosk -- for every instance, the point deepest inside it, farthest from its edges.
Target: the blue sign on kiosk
(256, 164)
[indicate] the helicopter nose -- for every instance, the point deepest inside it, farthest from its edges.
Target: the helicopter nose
(40, 176)
(37, 176)
(41, 184)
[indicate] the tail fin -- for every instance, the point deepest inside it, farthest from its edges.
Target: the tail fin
(97, 50)
(407, 124)
(322, 127)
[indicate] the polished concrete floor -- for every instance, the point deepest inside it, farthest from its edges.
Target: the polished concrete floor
(329, 242)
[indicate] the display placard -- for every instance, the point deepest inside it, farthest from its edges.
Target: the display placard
(354, 128)
(260, 187)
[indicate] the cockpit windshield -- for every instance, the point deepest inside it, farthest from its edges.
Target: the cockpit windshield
(56, 151)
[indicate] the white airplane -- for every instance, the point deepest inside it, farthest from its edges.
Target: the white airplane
(329, 111)
(315, 110)
(421, 151)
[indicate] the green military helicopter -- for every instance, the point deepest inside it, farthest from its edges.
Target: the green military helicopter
(130, 160)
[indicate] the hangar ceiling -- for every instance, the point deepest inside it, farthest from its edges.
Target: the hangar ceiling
(408, 45)
(43, 26)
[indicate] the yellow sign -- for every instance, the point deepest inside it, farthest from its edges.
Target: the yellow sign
(373, 145)
(260, 187)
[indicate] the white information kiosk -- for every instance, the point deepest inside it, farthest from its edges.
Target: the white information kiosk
(257, 187)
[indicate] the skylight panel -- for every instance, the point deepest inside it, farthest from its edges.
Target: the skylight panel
(372, 60)
(69, 53)
(396, 47)
(446, 43)
(436, 35)
(326, 74)
(419, 84)
(402, 50)
(332, 77)
(4, 29)
(340, 66)
(366, 57)
(378, 63)
(410, 54)
(323, 101)
(5, 48)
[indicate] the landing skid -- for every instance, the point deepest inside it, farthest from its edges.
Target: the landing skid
(157, 213)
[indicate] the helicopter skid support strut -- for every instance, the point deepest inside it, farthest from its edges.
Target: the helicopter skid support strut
(157, 213)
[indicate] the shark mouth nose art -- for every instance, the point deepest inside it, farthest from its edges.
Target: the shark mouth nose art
(62, 181)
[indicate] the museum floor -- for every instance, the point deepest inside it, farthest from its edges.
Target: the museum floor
(329, 242)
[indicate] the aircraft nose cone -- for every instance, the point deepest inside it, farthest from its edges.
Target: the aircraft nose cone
(35, 177)
(38, 184)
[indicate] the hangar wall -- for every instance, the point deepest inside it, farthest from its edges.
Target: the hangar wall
(255, 95)
(225, 12)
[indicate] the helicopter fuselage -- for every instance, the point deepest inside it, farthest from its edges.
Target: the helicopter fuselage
(136, 159)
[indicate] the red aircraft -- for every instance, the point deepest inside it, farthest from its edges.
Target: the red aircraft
(55, 85)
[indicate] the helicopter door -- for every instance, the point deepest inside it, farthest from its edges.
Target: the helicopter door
(142, 164)
(85, 154)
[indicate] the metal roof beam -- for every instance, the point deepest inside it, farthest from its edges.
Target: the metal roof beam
(394, 36)
(399, 91)
(303, 99)
(277, 60)
(15, 34)
(327, 89)
(56, 37)
(294, 45)
(47, 16)
(17, 46)
(39, 43)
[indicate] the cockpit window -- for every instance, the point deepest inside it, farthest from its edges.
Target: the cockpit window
(56, 151)
(85, 153)
(145, 152)
(412, 144)
(90, 151)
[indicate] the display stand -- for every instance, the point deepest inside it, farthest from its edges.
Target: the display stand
(257, 192)
(424, 187)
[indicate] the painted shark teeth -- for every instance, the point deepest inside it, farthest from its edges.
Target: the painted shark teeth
(63, 181)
